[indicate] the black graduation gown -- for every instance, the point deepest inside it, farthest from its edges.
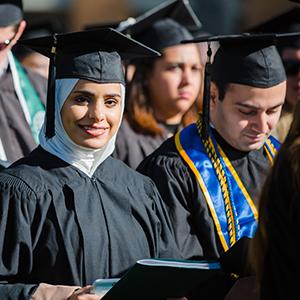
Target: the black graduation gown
(193, 225)
(192, 222)
(132, 146)
(60, 226)
(15, 132)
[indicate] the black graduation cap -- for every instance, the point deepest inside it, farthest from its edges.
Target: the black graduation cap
(11, 12)
(248, 59)
(36, 29)
(164, 25)
(288, 21)
(92, 55)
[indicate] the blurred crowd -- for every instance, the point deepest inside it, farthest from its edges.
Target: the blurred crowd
(169, 133)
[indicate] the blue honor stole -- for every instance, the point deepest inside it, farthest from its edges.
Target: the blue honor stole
(231, 207)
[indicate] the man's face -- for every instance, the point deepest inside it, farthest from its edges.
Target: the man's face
(247, 115)
(291, 60)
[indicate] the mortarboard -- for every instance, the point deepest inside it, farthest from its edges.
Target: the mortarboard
(11, 12)
(288, 21)
(35, 30)
(165, 25)
(248, 59)
(92, 55)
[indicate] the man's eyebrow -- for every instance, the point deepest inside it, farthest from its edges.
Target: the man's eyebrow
(245, 105)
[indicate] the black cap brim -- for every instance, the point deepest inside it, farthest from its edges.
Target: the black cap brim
(177, 10)
(243, 37)
(89, 41)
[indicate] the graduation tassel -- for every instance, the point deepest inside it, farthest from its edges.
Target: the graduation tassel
(206, 95)
(50, 109)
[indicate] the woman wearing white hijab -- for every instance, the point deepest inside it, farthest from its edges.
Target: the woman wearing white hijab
(70, 213)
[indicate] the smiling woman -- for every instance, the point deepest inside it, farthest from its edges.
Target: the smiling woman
(74, 214)
(91, 114)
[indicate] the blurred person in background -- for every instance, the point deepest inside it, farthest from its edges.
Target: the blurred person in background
(289, 50)
(22, 92)
(275, 249)
(164, 93)
(32, 59)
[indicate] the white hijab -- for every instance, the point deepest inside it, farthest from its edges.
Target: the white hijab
(85, 159)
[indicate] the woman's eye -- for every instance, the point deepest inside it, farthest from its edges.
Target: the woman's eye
(196, 68)
(81, 99)
(111, 102)
(172, 67)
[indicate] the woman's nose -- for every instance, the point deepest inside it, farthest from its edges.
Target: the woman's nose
(96, 112)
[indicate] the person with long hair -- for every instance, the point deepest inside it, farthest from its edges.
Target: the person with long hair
(164, 93)
(275, 248)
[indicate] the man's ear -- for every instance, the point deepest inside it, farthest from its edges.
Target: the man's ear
(214, 98)
(19, 32)
(214, 93)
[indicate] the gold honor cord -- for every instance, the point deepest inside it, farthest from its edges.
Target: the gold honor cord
(272, 149)
(210, 149)
(239, 182)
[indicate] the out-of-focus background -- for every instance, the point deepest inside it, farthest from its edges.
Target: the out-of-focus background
(217, 16)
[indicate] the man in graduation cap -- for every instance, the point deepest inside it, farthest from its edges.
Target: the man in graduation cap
(289, 49)
(22, 92)
(210, 174)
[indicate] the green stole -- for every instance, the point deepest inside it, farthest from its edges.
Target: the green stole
(34, 104)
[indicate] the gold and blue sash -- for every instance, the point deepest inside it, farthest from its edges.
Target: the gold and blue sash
(236, 215)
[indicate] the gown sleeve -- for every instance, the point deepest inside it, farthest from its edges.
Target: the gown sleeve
(166, 244)
(177, 190)
(17, 211)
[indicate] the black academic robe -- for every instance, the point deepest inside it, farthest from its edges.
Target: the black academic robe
(132, 146)
(190, 216)
(60, 226)
(15, 132)
(194, 228)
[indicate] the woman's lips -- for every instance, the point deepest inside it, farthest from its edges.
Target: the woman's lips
(184, 95)
(94, 131)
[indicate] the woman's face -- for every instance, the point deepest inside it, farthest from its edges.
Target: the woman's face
(91, 114)
(175, 82)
